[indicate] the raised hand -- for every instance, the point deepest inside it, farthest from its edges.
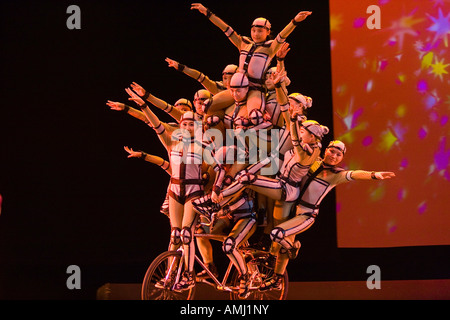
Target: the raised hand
(134, 97)
(172, 63)
(138, 89)
(302, 15)
(282, 52)
(199, 7)
(278, 76)
(216, 198)
(118, 106)
(132, 153)
(384, 175)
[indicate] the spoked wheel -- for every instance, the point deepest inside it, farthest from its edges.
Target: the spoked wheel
(161, 276)
(259, 273)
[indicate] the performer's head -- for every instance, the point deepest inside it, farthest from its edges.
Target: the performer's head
(311, 131)
(239, 87)
(183, 104)
(187, 122)
(334, 153)
(227, 73)
(199, 99)
(260, 30)
(299, 103)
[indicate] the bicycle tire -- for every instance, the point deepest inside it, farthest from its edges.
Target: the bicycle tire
(264, 273)
(156, 287)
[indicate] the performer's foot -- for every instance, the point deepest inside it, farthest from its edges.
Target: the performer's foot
(186, 282)
(273, 283)
(293, 252)
(166, 282)
(243, 286)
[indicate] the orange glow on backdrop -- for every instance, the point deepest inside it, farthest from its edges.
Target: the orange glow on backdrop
(391, 101)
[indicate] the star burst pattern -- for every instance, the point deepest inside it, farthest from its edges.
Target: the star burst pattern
(440, 26)
(392, 109)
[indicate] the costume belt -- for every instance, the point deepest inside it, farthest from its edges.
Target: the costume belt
(290, 182)
(186, 181)
(308, 205)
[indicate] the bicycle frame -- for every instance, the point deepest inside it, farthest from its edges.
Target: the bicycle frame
(173, 267)
(219, 285)
(222, 285)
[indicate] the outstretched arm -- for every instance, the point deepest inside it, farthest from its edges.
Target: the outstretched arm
(149, 158)
(209, 85)
(371, 175)
(161, 104)
(229, 32)
(154, 122)
(118, 106)
(281, 37)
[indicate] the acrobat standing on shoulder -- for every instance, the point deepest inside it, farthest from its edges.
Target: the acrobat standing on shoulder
(256, 54)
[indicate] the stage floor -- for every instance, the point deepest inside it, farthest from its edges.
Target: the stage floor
(336, 290)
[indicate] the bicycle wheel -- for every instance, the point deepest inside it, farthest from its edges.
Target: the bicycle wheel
(259, 272)
(161, 276)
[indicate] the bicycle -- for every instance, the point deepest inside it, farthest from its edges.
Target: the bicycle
(166, 270)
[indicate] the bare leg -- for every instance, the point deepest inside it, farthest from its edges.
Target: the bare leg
(187, 234)
(280, 215)
(291, 227)
(242, 230)
(176, 211)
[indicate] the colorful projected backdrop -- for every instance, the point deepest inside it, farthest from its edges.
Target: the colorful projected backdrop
(391, 101)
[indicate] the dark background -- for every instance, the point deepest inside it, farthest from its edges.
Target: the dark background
(71, 196)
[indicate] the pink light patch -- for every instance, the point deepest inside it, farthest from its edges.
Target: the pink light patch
(442, 156)
(392, 42)
(392, 229)
(422, 133)
(422, 86)
(369, 85)
(422, 208)
(359, 22)
(434, 116)
(404, 163)
(401, 195)
(367, 141)
(382, 65)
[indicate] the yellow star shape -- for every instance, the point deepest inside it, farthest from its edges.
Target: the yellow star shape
(438, 68)
(335, 22)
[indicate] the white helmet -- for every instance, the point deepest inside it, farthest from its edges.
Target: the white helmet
(239, 80)
(338, 145)
(262, 23)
